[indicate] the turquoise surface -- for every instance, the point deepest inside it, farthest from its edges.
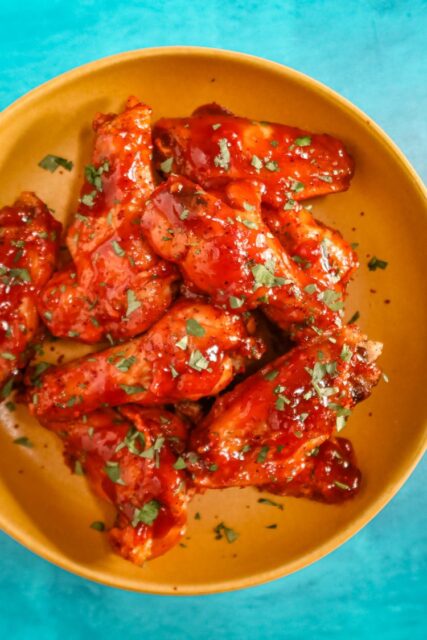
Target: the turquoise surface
(372, 52)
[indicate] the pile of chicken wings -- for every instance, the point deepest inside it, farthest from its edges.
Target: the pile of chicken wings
(216, 302)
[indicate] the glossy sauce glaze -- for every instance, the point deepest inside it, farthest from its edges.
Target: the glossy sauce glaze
(193, 351)
(262, 431)
(130, 459)
(29, 241)
(116, 287)
(213, 147)
(231, 255)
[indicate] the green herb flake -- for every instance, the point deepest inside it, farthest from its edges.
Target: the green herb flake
(221, 530)
(147, 514)
(332, 299)
(303, 141)
(271, 375)
(7, 356)
(93, 174)
(346, 353)
(180, 464)
(297, 186)
(354, 318)
(98, 525)
(262, 455)
(222, 160)
(88, 199)
(166, 165)
(216, 126)
(256, 163)
(274, 143)
(272, 165)
(51, 163)
(197, 361)
(118, 250)
(124, 364)
(236, 303)
(23, 441)
(249, 207)
(193, 328)
(78, 469)
(341, 485)
(130, 390)
(184, 214)
(270, 503)
(132, 302)
(375, 263)
(112, 469)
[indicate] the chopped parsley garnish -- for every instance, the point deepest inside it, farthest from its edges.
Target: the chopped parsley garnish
(213, 467)
(124, 364)
(281, 402)
(93, 174)
(272, 165)
(130, 390)
(23, 441)
(222, 530)
(222, 160)
(78, 469)
(262, 455)
(256, 163)
(184, 214)
(132, 301)
(174, 372)
(274, 143)
(248, 207)
(98, 525)
(147, 514)
(248, 223)
(310, 288)
(193, 328)
(271, 503)
(112, 469)
(375, 263)
(341, 485)
(236, 303)
(332, 299)
(297, 186)
(183, 343)
(166, 165)
(271, 375)
(130, 441)
(197, 361)
(324, 178)
(180, 464)
(14, 274)
(118, 250)
(7, 388)
(216, 126)
(88, 199)
(7, 356)
(303, 141)
(264, 276)
(52, 162)
(346, 353)
(354, 318)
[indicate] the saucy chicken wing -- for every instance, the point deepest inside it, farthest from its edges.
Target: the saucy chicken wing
(328, 474)
(117, 286)
(319, 250)
(195, 350)
(132, 459)
(262, 431)
(213, 147)
(29, 241)
(231, 255)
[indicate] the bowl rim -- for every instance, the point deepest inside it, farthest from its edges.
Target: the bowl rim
(143, 586)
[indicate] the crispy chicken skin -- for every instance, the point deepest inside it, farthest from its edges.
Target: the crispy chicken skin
(193, 351)
(117, 286)
(262, 431)
(213, 147)
(328, 474)
(128, 458)
(29, 241)
(231, 255)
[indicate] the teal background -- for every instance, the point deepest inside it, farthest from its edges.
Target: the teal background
(372, 52)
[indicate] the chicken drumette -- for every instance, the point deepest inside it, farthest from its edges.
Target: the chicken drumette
(117, 287)
(195, 350)
(29, 241)
(213, 147)
(132, 458)
(230, 254)
(262, 432)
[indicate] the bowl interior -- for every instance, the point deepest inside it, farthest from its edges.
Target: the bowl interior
(48, 509)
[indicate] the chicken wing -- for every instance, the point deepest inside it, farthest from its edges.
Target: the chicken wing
(231, 255)
(213, 147)
(117, 286)
(132, 459)
(262, 431)
(319, 250)
(328, 474)
(29, 241)
(195, 350)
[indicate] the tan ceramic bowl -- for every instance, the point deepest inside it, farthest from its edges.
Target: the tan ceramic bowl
(46, 508)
